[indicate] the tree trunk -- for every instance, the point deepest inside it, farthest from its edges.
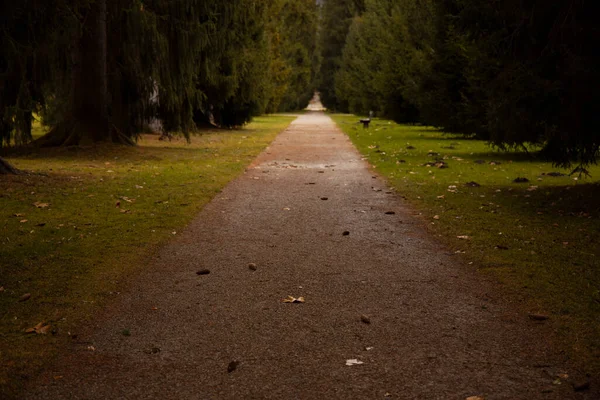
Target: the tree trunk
(90, 87)
(88, 121)
(6, 168)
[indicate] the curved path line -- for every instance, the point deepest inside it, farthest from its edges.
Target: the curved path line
(436, 330)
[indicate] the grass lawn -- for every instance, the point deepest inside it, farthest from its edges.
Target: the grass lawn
(71, 234)
(539, 237)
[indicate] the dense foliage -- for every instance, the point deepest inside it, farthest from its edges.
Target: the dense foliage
(517, 73)
(98, 70)
(336, 18)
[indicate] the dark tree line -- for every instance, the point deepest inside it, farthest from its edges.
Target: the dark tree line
(99, 70)
(514, 72)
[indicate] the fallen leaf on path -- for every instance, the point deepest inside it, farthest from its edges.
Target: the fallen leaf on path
(345, 233)
(324, 198)
(291, 299)
(203, 272)
(390, 212)
(41, 329)
(232, 366)
(538, 317)
(25, 297)
(286, 209)
(152, 350)
(41, 205)
(44, 329)
(353, 361)
(364, 318)
(475, 398)
(252, 266)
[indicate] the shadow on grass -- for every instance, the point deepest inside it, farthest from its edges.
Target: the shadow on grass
(105, 151)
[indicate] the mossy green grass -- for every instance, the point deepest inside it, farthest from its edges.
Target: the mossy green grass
(84, 220)
(539, 236)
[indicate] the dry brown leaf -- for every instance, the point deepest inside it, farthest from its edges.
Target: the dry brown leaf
(40, 329)
(353, 361)
(464, 237)
(291, 299)
(44, 329)
(18, 215)
(475, 398)
(23, 221)
(25, 297)
(41, 205)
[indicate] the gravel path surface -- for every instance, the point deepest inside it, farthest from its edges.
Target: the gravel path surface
(309, 219)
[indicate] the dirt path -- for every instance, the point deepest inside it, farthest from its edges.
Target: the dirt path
(436, 330)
